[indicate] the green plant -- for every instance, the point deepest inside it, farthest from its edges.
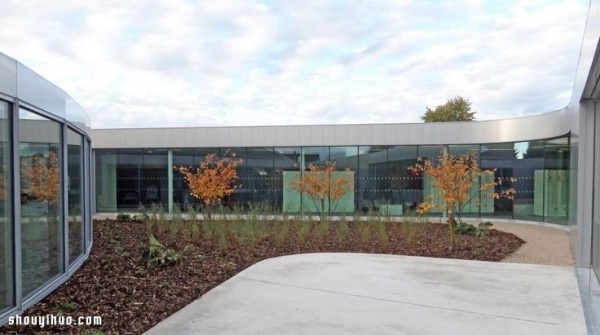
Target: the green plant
(382, 234)
(119, 248)
(142, 215)
(164, 284)
(282, 231)
(140, 218)
(301, 231)
(363, 229)
(122, 217)
(140, 271)
(413, 225)
(65, 306)
(176, 223)
(192, 223)
(343, 231)
(158, 217)
(158, 255)
(468, 229)
(92, 332)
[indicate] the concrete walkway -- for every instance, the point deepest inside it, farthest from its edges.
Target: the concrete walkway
(386, 294)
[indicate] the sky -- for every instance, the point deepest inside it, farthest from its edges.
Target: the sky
(176, 63)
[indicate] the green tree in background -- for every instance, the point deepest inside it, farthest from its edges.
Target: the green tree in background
(455, 109)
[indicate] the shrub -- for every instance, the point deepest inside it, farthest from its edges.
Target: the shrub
(122, 217)
(468, 229)
(158, 255)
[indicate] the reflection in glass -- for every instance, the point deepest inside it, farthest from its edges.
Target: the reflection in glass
(404, 182)
(154, 177)
(6, 241)
(181, 192)
(596, 205)
(75, 198)
(556, 180)
(41, 233)
(315, 155)
(529, 171)
(372, 172)
(258, 183)
(129, 194)
(106, 180)
(285, 159)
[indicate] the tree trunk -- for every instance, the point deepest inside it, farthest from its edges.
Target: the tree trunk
(452, 228)
(322, 211)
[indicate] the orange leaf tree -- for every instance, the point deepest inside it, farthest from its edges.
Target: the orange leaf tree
(324, 186)
(42, 177)
(213, 179)
(453, 178)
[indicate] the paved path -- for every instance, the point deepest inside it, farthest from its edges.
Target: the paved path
(386, 294)
(543, 244)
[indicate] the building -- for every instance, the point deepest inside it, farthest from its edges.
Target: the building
(45, 189)
(553, 155)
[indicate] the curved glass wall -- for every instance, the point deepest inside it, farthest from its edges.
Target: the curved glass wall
(6, 232)
(41, 220)
(45, 202)
(383, 180)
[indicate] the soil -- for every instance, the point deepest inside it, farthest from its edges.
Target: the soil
(117, 284)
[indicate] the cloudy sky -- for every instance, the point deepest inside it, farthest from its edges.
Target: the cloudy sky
(159, 63)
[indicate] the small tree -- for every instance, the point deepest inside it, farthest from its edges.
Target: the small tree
(455, 109)
(453, 178)
(42, 176)
(323, 186)
(212, 180)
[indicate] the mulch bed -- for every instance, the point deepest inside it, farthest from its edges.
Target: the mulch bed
(116, 283)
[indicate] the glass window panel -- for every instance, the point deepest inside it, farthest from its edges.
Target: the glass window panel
(347, 158)
(41, 227)
(75, 196)
(463, 149)
(529, 172)
(154, 177)
(200, 154)
(596, 205)
(106, 180)
(498, 156)
(372, 177)
(497, 151)
(404, 184)
(240, 197)
(285, 159)
(181, 192)
(6, 246)
(259, 184)
(316, 155)
(430, 151)
(556, 180)
(129, 195)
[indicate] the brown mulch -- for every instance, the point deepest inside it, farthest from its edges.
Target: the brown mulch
(115, 282)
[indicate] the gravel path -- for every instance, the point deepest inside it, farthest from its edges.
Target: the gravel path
(544, 245)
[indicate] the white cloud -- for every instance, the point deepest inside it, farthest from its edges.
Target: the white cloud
(180, 63)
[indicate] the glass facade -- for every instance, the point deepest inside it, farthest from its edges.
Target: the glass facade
(6, 232)
(41, 220)
(75, 194)
(45, 202)
(596, 205)
(383, 181)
